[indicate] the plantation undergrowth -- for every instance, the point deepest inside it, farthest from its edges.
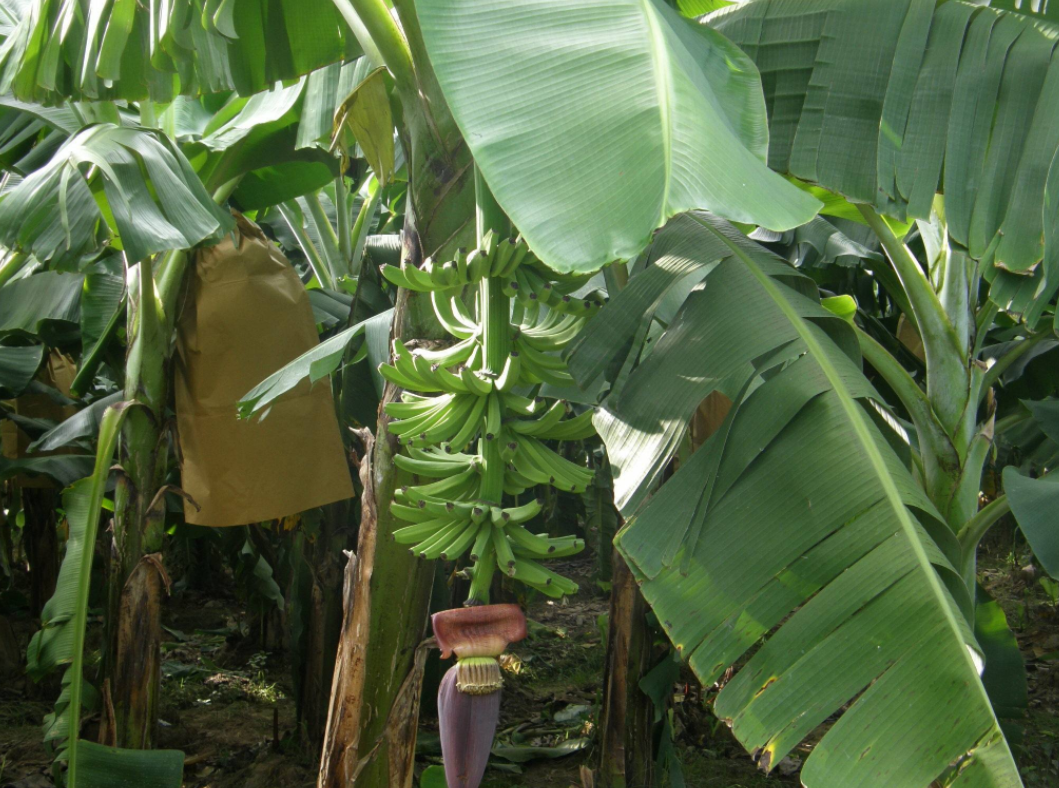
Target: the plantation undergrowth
(229, 704)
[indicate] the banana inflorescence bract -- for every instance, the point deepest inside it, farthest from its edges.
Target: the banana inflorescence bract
(470, 417)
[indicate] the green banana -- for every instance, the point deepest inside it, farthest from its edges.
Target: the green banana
(432, 546)
(396, 276)
(505, 557)
(545, 422)
(434, 469)
(455, 548)
(442, 301)
(520, 514)
(459, 259)
(533, 373)
(577, 428)
(467, 432)
(520, 255)
(419, 532)
(539, 358)
(477, 266)
(391, 374)
(450, 356)
(410, 514)
(481, 540)
(420, 279)
(493, 417)
(509, 378)
(454, 397)
(523, 406)
(504, 252)
(476, 383)
(523, 541)
(561, 472)
(406, 410)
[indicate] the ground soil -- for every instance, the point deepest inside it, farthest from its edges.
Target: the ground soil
(228, 703)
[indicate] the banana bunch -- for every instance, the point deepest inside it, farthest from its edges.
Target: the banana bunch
(500, 259)
(470, 420)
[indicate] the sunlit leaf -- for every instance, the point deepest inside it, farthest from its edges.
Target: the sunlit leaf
(156, 200)
(797, 524)
(594, 121)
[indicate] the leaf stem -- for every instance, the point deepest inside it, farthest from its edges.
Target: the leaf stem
(1010, 421)
(328, 238)
(983, 322)
(291, 214)
(12, 265)
(373, 17)
(109, 430)
(947, 375)
(495, 319)
(972, 532)
(910, 394)
(359, 233)
(342, 208)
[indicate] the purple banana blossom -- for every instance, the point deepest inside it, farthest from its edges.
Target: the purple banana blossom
(468, 724)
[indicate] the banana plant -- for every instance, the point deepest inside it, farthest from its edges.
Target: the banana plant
(61, 641)
(987, 228)
(120, 192)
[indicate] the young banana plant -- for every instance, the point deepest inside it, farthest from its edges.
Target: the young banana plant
(473, 426)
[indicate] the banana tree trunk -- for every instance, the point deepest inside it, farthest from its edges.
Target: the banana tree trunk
(41, 543)
(391, 605)
(135, 581)
(626, 757)
(321, 561)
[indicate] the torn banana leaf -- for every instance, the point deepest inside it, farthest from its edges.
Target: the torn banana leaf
(797, 524)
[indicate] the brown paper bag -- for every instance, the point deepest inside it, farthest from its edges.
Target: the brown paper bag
(247, 314)
(58, 371)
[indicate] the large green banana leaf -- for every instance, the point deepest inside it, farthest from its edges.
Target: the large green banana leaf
(798, 525)
(595, 121)
(154, 200)
(125, 49)
(892, 101)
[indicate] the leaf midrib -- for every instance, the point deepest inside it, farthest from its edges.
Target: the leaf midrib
(664, 89)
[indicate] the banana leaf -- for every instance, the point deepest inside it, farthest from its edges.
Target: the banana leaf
(1035, 502)
(154, 200)
(130, 50)
(596, 121)
(315, 364)
(798, 538)
(45, 305)
(65, 469)
(81, 426)
(891, 101)
(18, 365)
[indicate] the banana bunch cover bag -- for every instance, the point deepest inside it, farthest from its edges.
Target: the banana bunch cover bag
(246, 315)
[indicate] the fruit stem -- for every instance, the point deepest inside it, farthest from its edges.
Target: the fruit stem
(494, 314)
